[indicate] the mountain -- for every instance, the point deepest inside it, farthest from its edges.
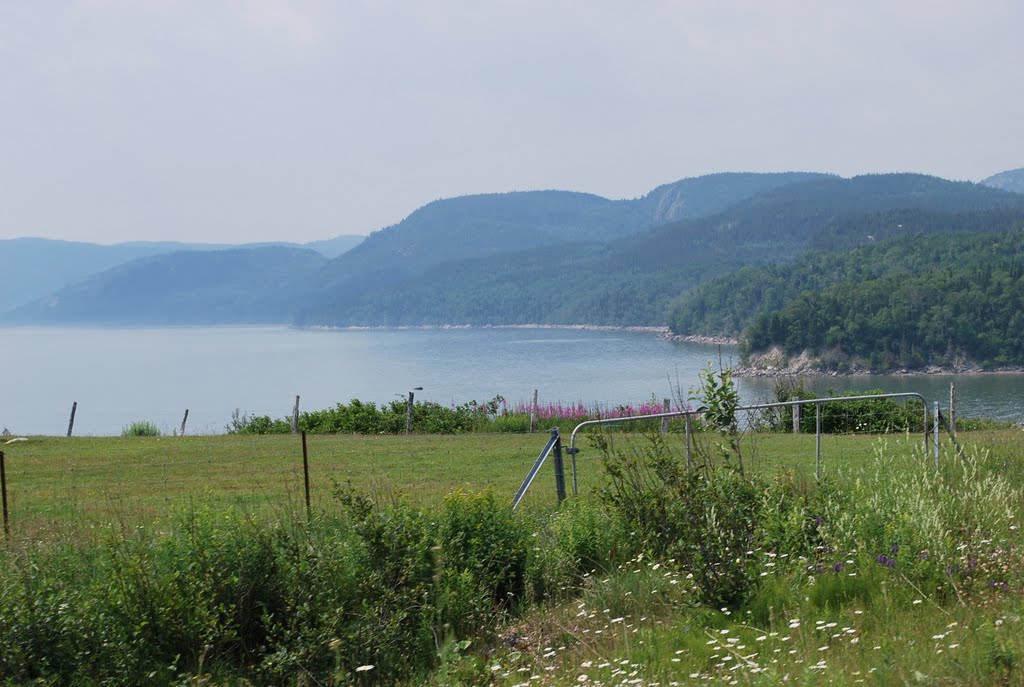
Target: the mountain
(553, 257)
(1012, 180)
(34, 267)
(235, 286)
(633, 279)
(332, 248)
(728, 305)
(711, 194)
(441, 234)
(955, 300)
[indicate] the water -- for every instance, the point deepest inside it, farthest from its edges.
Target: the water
(121, 375)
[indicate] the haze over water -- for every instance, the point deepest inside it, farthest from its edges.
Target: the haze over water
(121, 375)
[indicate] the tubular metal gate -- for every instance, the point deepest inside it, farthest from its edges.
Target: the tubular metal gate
(555, 444)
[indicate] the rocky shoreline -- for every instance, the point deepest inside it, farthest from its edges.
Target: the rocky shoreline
(775, 363)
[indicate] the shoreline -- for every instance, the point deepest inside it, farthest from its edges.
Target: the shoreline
(775, 363)
(660, 330)
(802, 366)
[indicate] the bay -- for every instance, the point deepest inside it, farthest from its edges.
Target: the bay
(125, 374)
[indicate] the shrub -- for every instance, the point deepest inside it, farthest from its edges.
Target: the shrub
(140, 428)
(867, 415)
(242, 423)
(483, 537)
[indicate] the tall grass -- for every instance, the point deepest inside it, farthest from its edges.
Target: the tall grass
(888, 572)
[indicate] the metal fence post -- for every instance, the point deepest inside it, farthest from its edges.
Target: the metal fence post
(817, 440)
(3, 490)
(952, 409)
(925, 404)
(935, 434)
(572, 451)
(305, 472)
(559, 466)
(689, 439)
(409, 405)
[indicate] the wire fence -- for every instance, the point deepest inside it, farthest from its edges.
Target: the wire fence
(59, 483)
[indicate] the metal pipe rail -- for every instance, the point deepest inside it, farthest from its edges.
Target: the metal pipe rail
(816, 402)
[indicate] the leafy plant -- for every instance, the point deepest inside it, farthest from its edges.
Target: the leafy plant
(243, 423)
(717, 402)
(140, 428)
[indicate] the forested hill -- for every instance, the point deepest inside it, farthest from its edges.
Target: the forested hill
(728, 304)
(632, 280)
(471, 227)
(237, 286)
(951, 300)
(33, 267)
(1011, 180)
(536, 257)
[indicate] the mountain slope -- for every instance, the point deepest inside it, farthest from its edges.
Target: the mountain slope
(474, 227)
(631, 281)
(250, 285)
(727, 305)
(1012, 180)
(954, 300)
(34, 267)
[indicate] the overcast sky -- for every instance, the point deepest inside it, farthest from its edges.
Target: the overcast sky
(255, 120)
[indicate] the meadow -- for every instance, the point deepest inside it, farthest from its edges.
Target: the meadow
(190, 560)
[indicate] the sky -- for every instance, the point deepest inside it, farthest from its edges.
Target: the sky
(272, 120)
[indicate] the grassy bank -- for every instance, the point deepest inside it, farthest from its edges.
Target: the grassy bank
(190, 561)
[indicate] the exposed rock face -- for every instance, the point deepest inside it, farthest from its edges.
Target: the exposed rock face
(1012, 180)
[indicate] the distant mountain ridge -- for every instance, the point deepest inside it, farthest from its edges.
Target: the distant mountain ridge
(233, 286)
(35, 267)
(632, 280)
(481, 226)
(553, 257)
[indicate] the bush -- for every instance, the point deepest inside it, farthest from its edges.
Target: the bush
(242, 423)
(483, 537)
(864, 416)
(140, 428)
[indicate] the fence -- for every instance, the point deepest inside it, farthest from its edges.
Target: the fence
(57, 483)
(53, 482)
(905, 413)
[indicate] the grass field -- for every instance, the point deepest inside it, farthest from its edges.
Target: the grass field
(915, 574)
(57, 481)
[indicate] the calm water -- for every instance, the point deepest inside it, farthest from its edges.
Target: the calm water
(121, 375)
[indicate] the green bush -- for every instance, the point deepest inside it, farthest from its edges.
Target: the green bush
(242, 423)
(140, 428)
(483, 537)
(863, 416)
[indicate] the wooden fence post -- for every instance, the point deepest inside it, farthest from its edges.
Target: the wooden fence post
(183, 421)
(666, 407)
(533, 413)
(408, 412)
(71, 422)
(295, 416)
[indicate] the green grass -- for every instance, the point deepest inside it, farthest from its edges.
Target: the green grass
(56, 481)
(837, 615)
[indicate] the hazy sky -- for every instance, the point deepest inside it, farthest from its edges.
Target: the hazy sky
(253, 120)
